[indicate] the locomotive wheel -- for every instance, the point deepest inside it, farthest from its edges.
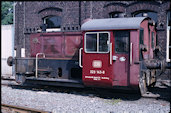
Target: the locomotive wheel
(20, 79)
(142, 84)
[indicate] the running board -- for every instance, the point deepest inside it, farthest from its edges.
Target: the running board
(55, 82)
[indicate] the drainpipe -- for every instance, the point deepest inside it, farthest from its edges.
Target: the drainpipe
(24, 25)
(85, 10)
(80, 13)
(13, 38)
(91, 9)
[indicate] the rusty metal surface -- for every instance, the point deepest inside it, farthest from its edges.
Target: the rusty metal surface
(18, 109)
(56, 45)
(24, 65)
(157, 64)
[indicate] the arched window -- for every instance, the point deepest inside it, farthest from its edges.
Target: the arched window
(146, 13)
(53, 23)
(115, 14)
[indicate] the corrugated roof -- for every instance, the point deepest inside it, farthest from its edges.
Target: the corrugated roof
(113, 23)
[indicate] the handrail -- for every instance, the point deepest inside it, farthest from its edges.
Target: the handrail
(110, 53)
(37, 61)
(80, 57)
(131, 54)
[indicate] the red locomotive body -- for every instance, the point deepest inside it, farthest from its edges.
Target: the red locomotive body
(106, 53)
(111, 50)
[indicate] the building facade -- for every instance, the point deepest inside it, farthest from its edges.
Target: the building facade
(70, 15)
(7, 41)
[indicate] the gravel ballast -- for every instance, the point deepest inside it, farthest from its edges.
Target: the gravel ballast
(61, 102)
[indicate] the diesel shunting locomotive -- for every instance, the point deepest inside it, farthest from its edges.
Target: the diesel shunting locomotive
(107, 53)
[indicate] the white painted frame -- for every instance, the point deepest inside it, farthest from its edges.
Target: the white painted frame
(167, 44)
(51, 29)
(97, 42)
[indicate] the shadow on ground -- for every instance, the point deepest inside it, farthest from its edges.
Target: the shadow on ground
(129, 95)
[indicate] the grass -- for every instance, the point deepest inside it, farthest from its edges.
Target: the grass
(114, 101)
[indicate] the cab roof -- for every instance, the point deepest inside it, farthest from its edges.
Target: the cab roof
(113, 23)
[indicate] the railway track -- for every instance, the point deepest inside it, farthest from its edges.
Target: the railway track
(8, 81)
(110, 95)
(5, 108)
(86, 91)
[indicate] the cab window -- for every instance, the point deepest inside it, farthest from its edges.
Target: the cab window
(121, 41)
(91, 42)
(152, 40)
(97, 42)
(103, 42)
(141, 36)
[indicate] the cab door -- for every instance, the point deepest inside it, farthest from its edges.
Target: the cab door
(97, 70)
(121, 58)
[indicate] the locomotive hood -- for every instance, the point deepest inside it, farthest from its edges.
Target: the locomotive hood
(113, 23)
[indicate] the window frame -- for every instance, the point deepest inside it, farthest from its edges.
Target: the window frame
(127, 52)
(145, 13)
(168, 46)
(141, 38)
(51, 29)
(152, 40)
(111, 14)
(97, 41)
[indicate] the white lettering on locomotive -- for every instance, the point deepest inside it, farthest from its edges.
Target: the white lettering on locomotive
(97, 72)
(96, 78)
(107, 78)
(92, 72)
(88, 76)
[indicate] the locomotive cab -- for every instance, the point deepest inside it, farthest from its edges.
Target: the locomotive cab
(114, 51)
(105, 53)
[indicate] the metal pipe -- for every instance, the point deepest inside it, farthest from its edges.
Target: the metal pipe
(157, 65)
(24, 25)
(110, 53)
(131, 53)
(80, 57)
(13, 37)
(80, 13)
(37, 61)
(91, 10)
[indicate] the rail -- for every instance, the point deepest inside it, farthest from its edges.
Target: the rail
(131, 54)
(37, 61)
(110, 53)
(19, 109)
(80, 57)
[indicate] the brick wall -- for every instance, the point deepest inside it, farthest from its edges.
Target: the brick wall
(29, 16)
